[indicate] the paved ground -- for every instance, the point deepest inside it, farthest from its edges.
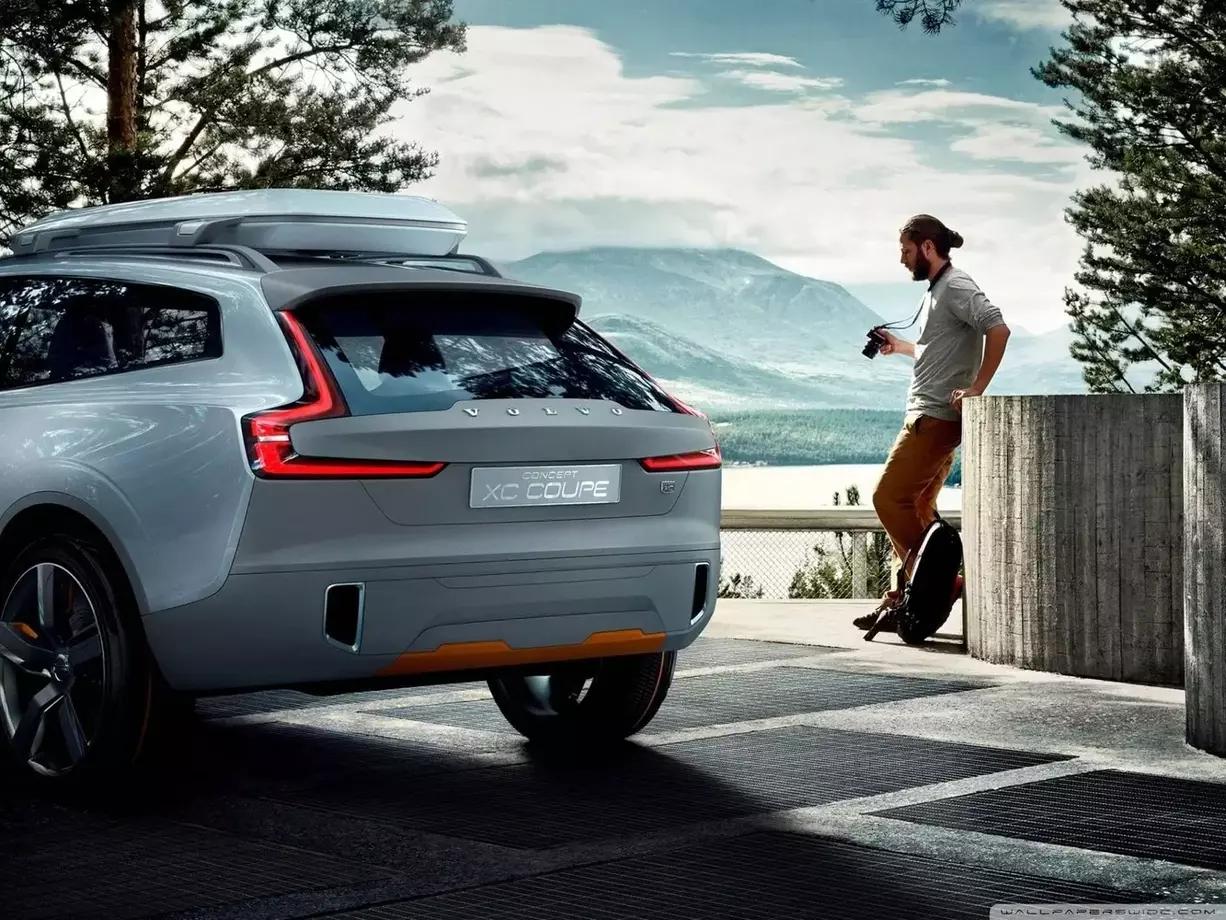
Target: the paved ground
(794, 771)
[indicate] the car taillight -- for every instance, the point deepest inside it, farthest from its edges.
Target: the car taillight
(268, 442)
(695, 460)
(710, 459)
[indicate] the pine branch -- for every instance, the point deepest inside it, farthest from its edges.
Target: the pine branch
(72, 125)
(1157, 234)
(97, 77)
(932, 14)
(214, 81)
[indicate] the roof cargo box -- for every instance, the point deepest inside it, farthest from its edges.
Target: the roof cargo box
(263, 219)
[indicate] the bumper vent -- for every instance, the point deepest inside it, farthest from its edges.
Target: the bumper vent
(343, 615)
(701, 571)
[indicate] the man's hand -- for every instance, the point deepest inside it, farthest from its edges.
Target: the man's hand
(895, 346)
(956, 397)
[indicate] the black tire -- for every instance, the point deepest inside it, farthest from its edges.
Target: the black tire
(586, 703)
(101, 668)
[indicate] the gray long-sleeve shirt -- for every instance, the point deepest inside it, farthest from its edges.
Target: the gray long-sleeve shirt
(955, 316)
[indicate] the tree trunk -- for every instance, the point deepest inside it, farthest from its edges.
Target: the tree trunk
(124, 177)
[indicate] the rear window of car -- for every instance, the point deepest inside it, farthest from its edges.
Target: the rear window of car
(420, 351)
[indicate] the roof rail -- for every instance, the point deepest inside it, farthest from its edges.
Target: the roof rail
(287, 219)
(237, 256)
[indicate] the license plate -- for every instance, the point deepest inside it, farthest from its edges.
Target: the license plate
(524, 486)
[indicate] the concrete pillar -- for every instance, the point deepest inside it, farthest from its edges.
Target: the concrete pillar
(1205, 566)
(1073, 533)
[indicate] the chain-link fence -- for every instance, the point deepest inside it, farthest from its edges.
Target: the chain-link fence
(831, 553)
(774, 564)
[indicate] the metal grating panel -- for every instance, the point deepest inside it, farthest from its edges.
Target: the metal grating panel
(639, 790)
(264, 701)
(282, 756)
(756, 877)
(86, 867)
(717, 699)
(710, 652)
(1132, 814)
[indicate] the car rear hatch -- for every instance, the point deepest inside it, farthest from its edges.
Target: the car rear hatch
(457, 400)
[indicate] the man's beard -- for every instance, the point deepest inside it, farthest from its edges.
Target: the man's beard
(922, 267)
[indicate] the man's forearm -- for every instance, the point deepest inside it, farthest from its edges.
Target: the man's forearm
(993, 352)
(905, 348)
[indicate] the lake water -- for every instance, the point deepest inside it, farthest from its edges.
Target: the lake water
(772, 558)
(806, 486)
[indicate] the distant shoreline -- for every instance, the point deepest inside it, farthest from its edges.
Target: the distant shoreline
(778, 438)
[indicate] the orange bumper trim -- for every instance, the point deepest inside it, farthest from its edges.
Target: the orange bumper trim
(461, 656)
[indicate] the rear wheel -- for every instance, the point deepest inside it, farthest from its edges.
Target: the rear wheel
(589, 702)
(76, 688)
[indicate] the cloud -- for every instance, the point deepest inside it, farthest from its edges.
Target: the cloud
(938, 83)
(981, 126)
(781, 82)
(547, 143)
(1024, 14)
(743, 59)
(492, 166)
(904, 107)
(1018, 143)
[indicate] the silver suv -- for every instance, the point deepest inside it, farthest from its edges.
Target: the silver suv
(292, 439)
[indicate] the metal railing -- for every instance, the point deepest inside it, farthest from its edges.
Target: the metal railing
(832, 553)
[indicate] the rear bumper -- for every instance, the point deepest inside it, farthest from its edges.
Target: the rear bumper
(268, 629)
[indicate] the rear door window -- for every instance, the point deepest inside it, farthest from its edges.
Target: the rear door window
(414, 351)
(56, 329)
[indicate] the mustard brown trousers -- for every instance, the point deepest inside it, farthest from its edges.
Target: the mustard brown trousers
(916, 469)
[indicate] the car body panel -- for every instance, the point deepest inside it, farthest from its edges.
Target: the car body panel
(155, 453)
(230, 570)
(267, 629)
(511, 430)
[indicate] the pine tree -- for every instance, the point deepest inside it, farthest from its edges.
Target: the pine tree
(932, 15)
(1150, 101)
(110, 100)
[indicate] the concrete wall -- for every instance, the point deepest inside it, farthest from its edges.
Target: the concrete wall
(1073, 531)
(1205, 565)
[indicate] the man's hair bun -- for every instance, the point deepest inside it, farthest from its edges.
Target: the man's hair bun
(924, 227)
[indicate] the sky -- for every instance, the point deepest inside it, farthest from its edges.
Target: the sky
(805, 131)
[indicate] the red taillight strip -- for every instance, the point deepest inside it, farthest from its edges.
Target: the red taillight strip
(272, 452)
(710, 459)
(318, 402)
(277, 458)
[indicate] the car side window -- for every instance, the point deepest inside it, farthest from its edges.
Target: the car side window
(54, 329)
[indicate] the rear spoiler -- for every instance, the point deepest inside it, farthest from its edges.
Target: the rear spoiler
(296, 287)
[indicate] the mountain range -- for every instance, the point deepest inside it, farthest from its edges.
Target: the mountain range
(728, 330)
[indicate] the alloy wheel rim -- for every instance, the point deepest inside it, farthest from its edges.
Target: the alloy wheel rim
(53, 669)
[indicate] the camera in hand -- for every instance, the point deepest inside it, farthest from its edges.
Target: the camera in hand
(876, 338)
